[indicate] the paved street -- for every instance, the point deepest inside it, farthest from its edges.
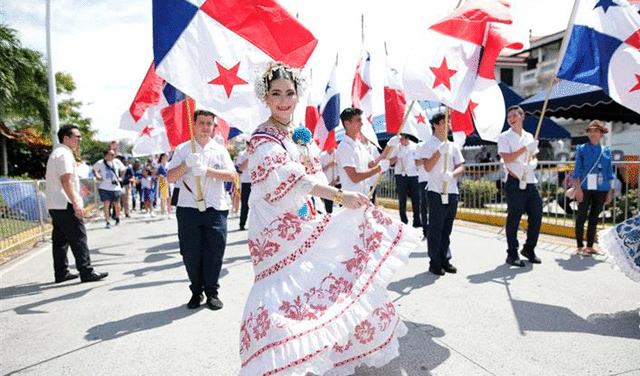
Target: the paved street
(568, 316)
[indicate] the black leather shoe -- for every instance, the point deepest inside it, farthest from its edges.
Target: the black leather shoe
(195, 301)
(66, 277)
(436, 271)
(531, 256)
(515, 261)
(214, 303)
(450, 269)
(93, 277)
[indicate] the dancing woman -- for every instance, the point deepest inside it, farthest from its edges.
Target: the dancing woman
(318, 304)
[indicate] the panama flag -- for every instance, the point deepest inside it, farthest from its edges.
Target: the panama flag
(151, 141)
(417, 123)
(486, 110)
(330, 114)
(158, 105)
(362, 96)
(604, 50)
(394, 100)
(445, 66)
(213, 50)
(312, 112)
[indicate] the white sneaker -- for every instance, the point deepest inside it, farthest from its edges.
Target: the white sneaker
(153, 214)
(147, 215)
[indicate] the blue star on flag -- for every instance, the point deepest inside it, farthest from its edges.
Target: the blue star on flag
(605, 4)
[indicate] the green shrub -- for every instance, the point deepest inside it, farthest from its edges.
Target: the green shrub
(476, 193)
(626, 203)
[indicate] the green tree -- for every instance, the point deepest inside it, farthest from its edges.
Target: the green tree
(24, 106)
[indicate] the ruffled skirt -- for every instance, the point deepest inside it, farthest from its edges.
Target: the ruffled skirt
(622, 242)
(319, 304)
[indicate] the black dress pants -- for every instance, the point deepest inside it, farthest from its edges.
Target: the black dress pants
(408, 185)
(203, 238)
(521, 201)
(245, 191)
(441, 218)
(590, 207)
(69, 231)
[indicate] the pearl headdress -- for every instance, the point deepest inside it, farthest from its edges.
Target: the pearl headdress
(263, 79)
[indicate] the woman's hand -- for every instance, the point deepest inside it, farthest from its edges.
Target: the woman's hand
(609, 198)
(354, 200)
(579, 194)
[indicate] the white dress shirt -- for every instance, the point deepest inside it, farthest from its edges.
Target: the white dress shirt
(508, 142)
(435, 181)
(61, 161)
(352, 153)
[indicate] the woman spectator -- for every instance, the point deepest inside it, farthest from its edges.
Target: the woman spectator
(593, 174)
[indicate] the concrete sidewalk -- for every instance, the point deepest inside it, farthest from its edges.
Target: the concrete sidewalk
(568, 316)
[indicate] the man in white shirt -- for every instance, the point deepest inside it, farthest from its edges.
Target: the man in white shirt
(518, 150)
(442, 194)
(67, 209)
(242, 163)
(110, 171)
(202, 208)
(354, 162)
(406, 173)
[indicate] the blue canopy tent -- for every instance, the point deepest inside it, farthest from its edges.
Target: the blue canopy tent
(550, 129)
(574, 100)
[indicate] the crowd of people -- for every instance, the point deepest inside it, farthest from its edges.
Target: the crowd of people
(340, 261)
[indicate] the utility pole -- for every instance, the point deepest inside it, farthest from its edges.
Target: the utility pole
(53, 104)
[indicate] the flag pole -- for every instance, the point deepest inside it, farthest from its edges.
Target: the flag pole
(53, 103)
(444, 195)
(388, 149)
(199, 200)
(563, 50)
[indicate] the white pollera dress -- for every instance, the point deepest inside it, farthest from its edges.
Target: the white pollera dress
(319, 301)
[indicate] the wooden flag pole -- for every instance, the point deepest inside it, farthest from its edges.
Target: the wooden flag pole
(563, 50)
(388, 149)
(199, 199)
(444, 195)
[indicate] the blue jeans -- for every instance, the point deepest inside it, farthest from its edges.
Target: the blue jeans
(203, 237)
(518, 202)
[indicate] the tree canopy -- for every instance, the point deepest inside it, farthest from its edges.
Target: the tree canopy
(24, 105)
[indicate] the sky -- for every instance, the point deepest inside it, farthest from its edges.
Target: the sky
(107, 45)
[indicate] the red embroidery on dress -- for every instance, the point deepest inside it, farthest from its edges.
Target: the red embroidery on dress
(364, 288)
(364, 332)
(283, 188)
(298, 253)
(261, 251)
(261, 171)
(342, 349)
(295, 363)
(385, 314)
(312, 305)
(357, 264)
(364, 355)
(380, 217)
(262, 323)
(245, 338)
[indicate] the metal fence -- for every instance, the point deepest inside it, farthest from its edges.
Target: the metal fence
(23, 210)
(482, 190)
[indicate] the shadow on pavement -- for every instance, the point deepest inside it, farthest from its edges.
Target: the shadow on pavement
(164, 247)
(158, 236)
(501, 273)
(405, 286)
(148, 284)
(539, 317)
(27, 289)
(419, 353)
(29, 308)
(157, 257)
(137, 323)
(577, 263)
(150, 269)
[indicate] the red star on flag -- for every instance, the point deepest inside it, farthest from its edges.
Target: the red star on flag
(472, 108)
(228, 78)
(146, 131)
(443, 74)
(420, 119)
(637, 87)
